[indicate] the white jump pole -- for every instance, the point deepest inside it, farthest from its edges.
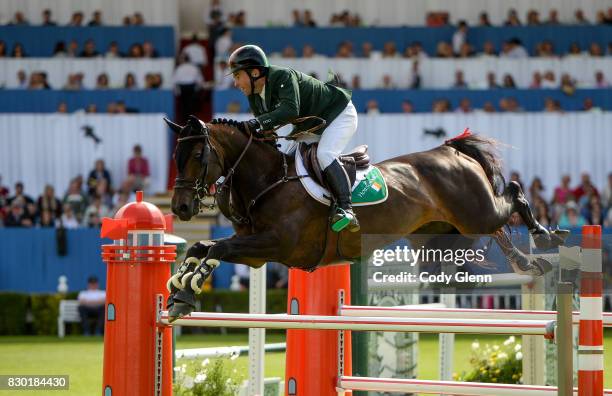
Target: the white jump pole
(316, 322)
(257, 337)
(446, 387)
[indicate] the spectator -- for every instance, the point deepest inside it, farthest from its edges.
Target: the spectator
(289, 52)
(545, 49)
(533, 18)
(606, 196)
(89, 50)
(75, 198)
(309, 20)
(94, 212)
(492, 81)
(444, 50)
(355, 82)
(587, 105)
(483, 20)
(595, 50)
(488, 49)
(91, 307)
(366, 49)
(73, 49)
(548, 80)
(536, 80)
(74, 82)
(600, 80)
(187, 79)
(137, 19)
(551, 105)
(17, 216)
(542, 212)
(148, 50)
(91, 108)
(512, 19)
(47, 220)
(514, 49)
(372, 107)
(195, 53)
(22, 80)
(553, 17)
(308, 51)
(593, 211)
(135, 51)
(3, 53)
(97, 174)
(59, 50)
(113, 51)
(153, 81)
(46, 18)
(387, 82)
(120, 107)
(459, 80)
(568, 85)
(460, 37)
(516, 177)
(536, 190)
(466, 51)
(389, 50)
(102, 81)
(571, 218)
(68, 219)
(77, 19)
(62, 108)
(574, 49)
(4, 195)
(215, 27)
(441, 106)
(415, 78)
(407, 106)
(417, 51)
(600, 18)
(19, 19)
(138, 170)
(18, 51)
(223, 44)
(297, 18)
(488, 107)
(579, 18)
(509, 105)
(585, 188)
(96, 19)
(508, 82)
(48, 201)
(130, 81)
(465, 106)
(20, 196)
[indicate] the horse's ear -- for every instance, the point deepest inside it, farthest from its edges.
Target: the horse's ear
(175, 127)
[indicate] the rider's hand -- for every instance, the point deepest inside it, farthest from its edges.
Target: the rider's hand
(253, 126)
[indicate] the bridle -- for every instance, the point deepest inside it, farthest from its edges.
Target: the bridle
(201, 189)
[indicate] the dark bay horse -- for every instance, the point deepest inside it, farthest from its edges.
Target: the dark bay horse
(456, 187)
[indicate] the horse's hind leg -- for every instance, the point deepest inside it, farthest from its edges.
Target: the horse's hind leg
(520, 263)
(542, 237)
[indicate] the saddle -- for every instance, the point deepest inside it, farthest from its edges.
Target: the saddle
(351, 162)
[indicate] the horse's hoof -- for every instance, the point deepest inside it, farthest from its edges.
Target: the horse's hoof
(178, 310)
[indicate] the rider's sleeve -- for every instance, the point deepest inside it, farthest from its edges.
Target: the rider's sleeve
(289, 97)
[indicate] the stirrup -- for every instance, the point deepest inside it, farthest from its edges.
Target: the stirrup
(346, 219)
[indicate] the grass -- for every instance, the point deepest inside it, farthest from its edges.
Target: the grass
(81, 357)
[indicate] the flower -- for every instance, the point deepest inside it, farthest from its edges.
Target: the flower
(517, 347)
(188, 382)
(519, 356)
(205, 362)
(475, 345)
(200, 378)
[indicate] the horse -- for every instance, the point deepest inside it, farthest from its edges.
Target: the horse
(457, 187)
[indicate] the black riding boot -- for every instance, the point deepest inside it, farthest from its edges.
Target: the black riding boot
(339, 186)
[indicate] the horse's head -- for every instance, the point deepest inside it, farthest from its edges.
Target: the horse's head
(197, 167)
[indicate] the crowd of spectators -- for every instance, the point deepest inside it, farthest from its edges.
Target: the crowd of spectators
(84, 203)
(77, 19)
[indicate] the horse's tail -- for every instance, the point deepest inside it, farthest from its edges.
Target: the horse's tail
(483, 150)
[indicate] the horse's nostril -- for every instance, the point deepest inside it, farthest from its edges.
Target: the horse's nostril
(183, 208)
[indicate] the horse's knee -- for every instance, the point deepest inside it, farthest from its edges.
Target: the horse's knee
(199, 249)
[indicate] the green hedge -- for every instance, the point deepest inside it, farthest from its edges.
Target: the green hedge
(43, 308)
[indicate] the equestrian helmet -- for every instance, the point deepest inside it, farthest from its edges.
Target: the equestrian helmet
(248, 57)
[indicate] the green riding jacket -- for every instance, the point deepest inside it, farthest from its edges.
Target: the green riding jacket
(291, 94)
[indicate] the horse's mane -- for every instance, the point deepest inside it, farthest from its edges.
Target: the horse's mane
(238, 126)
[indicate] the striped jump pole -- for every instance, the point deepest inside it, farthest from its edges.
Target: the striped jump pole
(319, 322)
(590, 344)
(458, 313)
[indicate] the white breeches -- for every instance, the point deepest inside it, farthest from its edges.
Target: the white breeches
(335, 137)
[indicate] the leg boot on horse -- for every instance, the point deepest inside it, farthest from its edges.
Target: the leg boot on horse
(339, 186)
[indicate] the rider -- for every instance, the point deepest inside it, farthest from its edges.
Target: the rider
(279, 95)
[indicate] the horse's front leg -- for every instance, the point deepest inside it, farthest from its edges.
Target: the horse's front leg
(252, 250)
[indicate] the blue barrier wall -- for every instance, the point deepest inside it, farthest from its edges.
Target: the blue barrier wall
(144, 101)
(29, 261)
(390, 101)
(326, 40)
(39, 41)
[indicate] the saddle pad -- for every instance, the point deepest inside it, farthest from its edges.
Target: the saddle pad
(370, 187)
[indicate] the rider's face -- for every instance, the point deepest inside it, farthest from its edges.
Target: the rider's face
(243, 83)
